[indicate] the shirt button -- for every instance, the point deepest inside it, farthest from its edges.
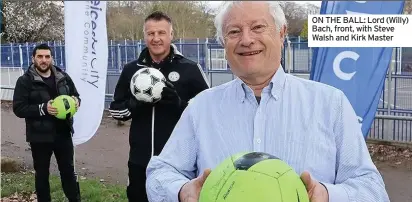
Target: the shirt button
(258, 140)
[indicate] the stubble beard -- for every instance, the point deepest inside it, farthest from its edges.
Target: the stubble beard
(41, 70)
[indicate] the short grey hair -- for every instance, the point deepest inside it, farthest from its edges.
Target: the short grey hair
(274, 8)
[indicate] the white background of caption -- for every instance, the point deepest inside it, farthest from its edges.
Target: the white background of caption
(402, 34)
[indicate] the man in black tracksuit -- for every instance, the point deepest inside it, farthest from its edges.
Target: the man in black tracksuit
(46, 134)
(152, 124)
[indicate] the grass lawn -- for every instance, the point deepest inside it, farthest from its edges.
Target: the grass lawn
(91, 190)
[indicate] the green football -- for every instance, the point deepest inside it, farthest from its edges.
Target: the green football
(65, 105)
(253, 176)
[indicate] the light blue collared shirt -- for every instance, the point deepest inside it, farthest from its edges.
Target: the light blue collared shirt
(309, 125)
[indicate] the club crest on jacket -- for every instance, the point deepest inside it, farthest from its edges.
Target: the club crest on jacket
(174, 76)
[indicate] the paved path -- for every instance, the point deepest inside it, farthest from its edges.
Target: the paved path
(105, 155)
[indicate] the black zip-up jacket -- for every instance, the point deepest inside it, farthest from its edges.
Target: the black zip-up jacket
(188, 79)
(30, 98)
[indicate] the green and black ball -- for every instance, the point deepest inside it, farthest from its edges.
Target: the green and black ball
(65, 105)
(253, 177)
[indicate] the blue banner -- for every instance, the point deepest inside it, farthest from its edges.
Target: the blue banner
(358, 72)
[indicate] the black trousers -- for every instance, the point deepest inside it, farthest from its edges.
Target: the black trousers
(63, 151)
(136, 190)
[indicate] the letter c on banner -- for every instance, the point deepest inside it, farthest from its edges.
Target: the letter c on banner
(336, 64)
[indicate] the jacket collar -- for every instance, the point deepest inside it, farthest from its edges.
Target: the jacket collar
(35, 75)
(146, 59)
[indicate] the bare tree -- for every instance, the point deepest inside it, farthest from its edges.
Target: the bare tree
(190, 19)
(408, 7)
(28, 21)
(295, 15)
(2, 38)
(311, 9)
(125, 19)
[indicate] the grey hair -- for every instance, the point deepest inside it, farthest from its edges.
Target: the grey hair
(274, 8)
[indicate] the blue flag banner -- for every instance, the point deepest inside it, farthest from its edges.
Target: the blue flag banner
(358, 72)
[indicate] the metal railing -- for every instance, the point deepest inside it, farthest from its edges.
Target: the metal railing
(392, 120)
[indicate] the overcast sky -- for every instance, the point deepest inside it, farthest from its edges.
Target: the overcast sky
(215, 4)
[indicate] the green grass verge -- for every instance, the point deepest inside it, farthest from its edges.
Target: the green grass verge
(91, 190)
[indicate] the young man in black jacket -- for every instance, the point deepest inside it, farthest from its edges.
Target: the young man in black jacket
(46, 134)
(152, 124)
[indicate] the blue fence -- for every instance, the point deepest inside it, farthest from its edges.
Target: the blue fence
(396, 99)
(120, 52)
(19, 55)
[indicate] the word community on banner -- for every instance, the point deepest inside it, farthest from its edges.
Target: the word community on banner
(86, 62)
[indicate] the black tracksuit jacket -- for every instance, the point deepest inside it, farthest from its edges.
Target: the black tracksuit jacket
(145, 142)
(30, 98)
